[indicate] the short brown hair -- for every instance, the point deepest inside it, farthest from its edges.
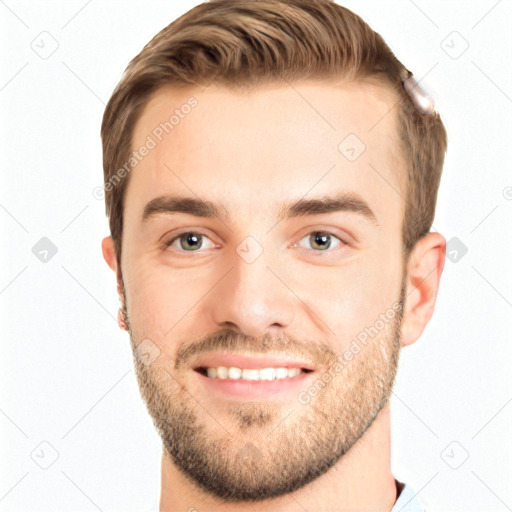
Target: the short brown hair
(245, 43)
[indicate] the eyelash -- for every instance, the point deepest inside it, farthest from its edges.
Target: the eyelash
(317, 231)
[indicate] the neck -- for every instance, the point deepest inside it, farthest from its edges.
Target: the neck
(361, 480)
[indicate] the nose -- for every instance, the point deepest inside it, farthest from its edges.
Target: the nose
(254, 298)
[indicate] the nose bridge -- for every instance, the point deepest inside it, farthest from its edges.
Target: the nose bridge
(251, 297)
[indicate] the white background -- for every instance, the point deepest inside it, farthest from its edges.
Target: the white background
(66, 375)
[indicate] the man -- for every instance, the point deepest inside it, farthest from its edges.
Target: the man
(271, 174)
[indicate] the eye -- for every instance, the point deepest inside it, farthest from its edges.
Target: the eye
(321, 240)
(188, 241)
(191, 241)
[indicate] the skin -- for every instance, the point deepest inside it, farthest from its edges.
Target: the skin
(252, 152)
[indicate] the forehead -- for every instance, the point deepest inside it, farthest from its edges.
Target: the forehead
(274, 144)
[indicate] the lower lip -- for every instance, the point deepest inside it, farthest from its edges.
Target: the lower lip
(256, 389)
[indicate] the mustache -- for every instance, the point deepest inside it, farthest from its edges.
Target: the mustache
(231, 341)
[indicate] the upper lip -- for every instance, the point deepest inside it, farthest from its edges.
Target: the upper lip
(214, 360)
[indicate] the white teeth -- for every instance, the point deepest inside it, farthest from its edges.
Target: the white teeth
(234, 373)
(267, 374)
(281, 373)
(222, 372)
(250, 374)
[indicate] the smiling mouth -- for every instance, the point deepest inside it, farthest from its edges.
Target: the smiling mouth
(251, 374)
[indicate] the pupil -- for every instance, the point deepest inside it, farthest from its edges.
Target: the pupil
(322, 239)
(192, 239)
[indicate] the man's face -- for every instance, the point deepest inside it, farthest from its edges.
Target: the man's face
(314, 288)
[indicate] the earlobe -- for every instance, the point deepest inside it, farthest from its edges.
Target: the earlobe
(424, 271)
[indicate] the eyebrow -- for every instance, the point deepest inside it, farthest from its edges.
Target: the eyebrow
(341, 202)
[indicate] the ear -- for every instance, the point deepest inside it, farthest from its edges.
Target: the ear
(424, 270)
(109, 254)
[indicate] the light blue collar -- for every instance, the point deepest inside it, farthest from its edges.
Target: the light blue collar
(408, 501)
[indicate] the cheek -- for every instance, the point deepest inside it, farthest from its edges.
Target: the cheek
(160, 296)
(350, 299)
